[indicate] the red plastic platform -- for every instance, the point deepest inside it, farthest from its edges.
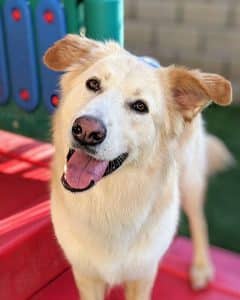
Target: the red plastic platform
(32, 265)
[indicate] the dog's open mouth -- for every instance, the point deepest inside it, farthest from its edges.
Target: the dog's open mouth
(84, 171)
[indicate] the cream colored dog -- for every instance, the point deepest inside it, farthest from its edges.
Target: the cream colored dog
(129, 141)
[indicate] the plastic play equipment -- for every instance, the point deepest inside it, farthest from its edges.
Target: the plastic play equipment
(27, 29)
(31, 264)
(107, 22)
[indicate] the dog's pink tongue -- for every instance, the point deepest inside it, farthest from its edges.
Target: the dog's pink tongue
(82, 169)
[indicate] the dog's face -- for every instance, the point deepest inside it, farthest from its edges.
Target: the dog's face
(114, 92)
(116, 108)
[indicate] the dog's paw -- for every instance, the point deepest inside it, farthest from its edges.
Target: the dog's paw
(201, 274)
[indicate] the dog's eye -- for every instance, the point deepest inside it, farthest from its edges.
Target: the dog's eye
(93, 84)
(139, 106)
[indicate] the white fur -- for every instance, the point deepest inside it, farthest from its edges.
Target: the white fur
(119, 230)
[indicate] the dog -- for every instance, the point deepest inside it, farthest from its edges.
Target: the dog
(129, 144)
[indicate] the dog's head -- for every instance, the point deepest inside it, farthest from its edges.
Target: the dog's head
(116, 109)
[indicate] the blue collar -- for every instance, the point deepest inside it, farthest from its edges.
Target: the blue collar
(150, 61)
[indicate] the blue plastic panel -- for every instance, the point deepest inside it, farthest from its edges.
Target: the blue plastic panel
(4, 89)
(22, 59)
(50, 26)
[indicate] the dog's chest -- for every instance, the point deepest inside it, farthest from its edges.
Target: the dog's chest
(116, 245)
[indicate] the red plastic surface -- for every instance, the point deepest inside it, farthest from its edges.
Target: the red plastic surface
(22, 185)
(172, 279)
(32, 265)
(25, 149)
(30, 258)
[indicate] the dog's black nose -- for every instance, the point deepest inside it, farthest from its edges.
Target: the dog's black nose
(88, 130)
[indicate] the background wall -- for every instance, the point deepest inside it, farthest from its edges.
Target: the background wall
(197, 33)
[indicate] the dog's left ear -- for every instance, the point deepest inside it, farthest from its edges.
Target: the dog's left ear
(192, 91)
(74, 49)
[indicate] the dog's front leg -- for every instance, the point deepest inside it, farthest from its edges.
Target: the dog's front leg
(139, 289)
(89, 288)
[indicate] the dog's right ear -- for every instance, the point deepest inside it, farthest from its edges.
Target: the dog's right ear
(70, 50)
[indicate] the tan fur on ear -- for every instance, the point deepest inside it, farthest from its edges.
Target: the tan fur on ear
(193, 90)
(219, 89)
(66, 52)
(74, 49)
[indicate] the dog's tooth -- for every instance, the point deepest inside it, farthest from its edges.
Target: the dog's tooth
(65, 168)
